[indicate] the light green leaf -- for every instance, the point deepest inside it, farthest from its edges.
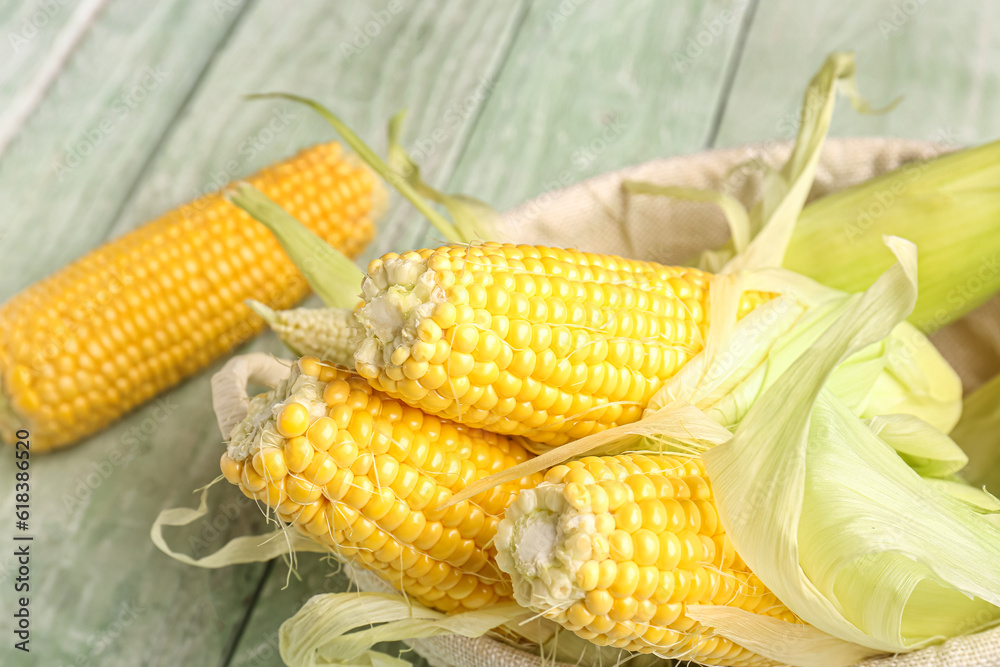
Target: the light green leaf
(924, 448)
(978, 434)
(474, 219)
(331, 275)
(833, 521)
(785, 192)
(372, 159)
(340, 629)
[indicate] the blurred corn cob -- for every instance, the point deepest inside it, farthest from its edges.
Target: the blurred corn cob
(365, 475)
(542, 342)
(615, 548)
(137, 315)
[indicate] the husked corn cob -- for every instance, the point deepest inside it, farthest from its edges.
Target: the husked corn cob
(137, 315)
(615, 548)
(542, 342)
(326, 333)
(364, 474)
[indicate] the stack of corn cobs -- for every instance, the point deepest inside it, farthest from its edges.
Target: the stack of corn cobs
(499, 423)
(467, 359)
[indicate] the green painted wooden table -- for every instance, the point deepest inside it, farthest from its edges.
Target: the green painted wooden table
(112, 111)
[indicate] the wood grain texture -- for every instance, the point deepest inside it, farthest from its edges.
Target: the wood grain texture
(65, 176)
(281, 596)
(430, 59)
(37, 38)
(942, 57)
(591, 87)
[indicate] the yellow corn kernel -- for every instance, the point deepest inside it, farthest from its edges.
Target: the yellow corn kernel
(293, 420)
(570, 343)
(134, 317)
(636, 559)
(367, 479)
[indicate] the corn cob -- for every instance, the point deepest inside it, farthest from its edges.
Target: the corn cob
(364, 474)
(327, 333)
(615, 548)
(546, 343)
(137, 315)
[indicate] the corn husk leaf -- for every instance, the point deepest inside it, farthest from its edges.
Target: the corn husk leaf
(475, 220)
(948, 206)
(760, 237)
(785, 192)
(927, 450)
(863, 548)
(371, 158)
(978, 434)
(245, 549)
(837, 239)
(340, 629)
(336, 279)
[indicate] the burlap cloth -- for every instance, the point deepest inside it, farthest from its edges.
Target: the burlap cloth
(596, 216)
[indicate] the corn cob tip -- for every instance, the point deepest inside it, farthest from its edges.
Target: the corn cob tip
(614, 548)
(367, 476)
(330, 334)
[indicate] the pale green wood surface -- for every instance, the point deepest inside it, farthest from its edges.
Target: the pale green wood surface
(507, 100)
(943, 59)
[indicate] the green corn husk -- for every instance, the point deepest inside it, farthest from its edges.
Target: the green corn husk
(948, 206)
(978, 433)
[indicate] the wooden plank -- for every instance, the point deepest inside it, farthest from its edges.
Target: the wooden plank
(152, 460)
(281, 597)
(65, 176)
(37, 38)
(591, 87)
(941, 57)
(412, 62)
(122, 80)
